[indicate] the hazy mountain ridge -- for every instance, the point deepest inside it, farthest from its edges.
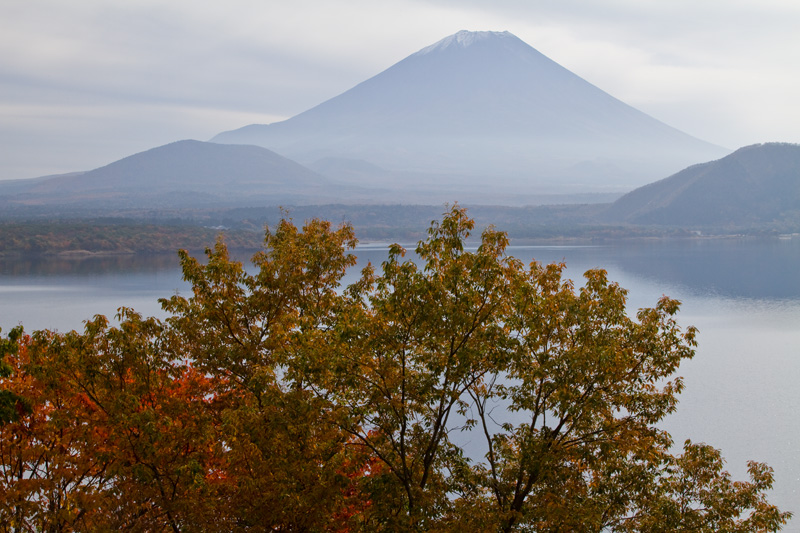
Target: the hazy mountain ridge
(195, 174)
(755, 187)
(182, 173)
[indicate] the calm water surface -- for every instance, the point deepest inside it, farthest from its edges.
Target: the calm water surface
(744, 296)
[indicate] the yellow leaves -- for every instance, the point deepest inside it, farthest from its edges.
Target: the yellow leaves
(694, 492)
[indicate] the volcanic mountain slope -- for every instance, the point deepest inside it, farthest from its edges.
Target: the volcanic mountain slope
(756, 186)
(484, 110)
(183, 173)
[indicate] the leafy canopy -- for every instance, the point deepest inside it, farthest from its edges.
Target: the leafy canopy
(458, 390)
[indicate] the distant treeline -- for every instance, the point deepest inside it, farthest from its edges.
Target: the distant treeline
(151, 231)
(21, 238)
(86, 236)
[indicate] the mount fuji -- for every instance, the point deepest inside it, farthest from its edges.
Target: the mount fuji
(481, 111)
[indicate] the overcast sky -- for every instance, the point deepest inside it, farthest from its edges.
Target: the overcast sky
(86, 82)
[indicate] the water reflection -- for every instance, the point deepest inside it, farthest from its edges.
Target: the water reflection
(742, 269)
(86, 265)
(62, 292)
(738, 268)
(749, 268)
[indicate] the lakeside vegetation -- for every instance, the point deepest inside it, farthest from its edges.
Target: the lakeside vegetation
(77, 236)
(273, 400)
(154, 231)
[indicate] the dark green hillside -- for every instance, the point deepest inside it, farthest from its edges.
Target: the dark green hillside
(755, 187)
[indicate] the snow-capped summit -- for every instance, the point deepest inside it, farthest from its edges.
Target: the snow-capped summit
(465, 38)
(479, 107)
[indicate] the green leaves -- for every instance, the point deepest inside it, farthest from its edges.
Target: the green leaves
(11, 405)
(694, 493)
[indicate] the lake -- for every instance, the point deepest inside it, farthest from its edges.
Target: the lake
(744, 296)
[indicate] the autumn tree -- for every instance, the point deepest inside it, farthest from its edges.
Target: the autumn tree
(258, 335)
(47, 481)
(454, 388)
(117, 435)
(564, 386)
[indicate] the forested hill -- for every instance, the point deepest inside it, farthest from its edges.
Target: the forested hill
(756, 186)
